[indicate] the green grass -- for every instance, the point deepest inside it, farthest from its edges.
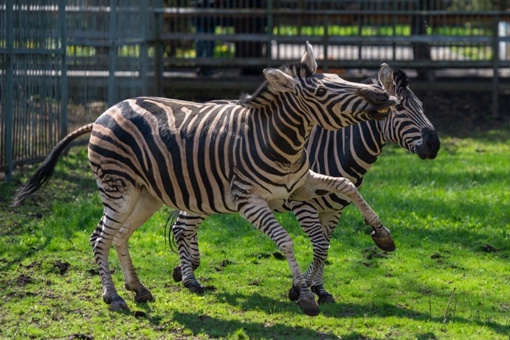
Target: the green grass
(448, 279)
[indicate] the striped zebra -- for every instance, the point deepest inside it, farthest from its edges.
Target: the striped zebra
(209, 158)
(349, 152)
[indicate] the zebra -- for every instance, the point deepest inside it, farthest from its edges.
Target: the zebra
(349, 152)
(208, 158)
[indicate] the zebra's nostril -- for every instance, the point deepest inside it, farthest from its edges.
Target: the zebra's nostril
(430, 142)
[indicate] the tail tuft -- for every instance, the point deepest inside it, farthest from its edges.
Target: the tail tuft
(45, 170)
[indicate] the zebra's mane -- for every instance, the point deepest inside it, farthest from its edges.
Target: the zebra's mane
(400, 78)
(294, 69)
(371, 81)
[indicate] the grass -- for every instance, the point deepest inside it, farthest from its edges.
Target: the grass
(448, 278)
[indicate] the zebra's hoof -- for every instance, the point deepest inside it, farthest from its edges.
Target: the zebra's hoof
(195, 287)
(293, 294)
(324, 296)
(326, 299)
(144, 295)
(117, 304)
(309, 306)
(177, 274)
(385, 242)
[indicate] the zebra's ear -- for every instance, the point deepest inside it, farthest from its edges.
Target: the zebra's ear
(308, 58)
(386, 77)
(279, 81)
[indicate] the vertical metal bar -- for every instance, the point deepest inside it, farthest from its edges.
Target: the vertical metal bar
(144, 55)
(495, 66)
(325, 44)
(9, 91)
(159, 49)
(63, 75)
(394, 24)
(112, 56)
(270, 30)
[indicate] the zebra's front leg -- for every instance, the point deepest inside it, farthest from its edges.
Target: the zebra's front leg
(185, 232)
(328, 224)
(257, 212)
(319, 185)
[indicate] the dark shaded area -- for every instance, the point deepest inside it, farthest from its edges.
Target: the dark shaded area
(464, 113)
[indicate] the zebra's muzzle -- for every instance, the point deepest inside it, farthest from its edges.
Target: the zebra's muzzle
(430, 144)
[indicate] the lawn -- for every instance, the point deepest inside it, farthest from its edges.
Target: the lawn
(448, 279)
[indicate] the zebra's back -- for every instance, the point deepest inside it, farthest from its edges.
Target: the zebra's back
(152, 143)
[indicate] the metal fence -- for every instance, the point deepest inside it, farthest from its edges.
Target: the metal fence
(64, 62)
(348, 34)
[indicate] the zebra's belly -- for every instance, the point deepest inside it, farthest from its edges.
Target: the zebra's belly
(204, 197)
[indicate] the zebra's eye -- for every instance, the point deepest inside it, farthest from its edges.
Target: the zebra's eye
(399, 107)
(321, 91)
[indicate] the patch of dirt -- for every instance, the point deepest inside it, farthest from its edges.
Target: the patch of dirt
(373, 253)
(23, 280)
(80, 336)
(488, 248)
(62, 267)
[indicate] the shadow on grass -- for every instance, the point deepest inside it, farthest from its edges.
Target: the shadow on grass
(345, 310)
(62, 191)
(214, 327)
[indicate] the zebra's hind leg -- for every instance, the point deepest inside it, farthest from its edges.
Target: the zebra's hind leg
(185, 232)
(144, 209)
(195, 261)
(119, 200)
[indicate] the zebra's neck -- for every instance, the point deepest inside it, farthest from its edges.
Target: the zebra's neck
(283, 135)
(348, 152)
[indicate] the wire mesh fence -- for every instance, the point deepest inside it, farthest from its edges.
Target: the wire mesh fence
(63, 63)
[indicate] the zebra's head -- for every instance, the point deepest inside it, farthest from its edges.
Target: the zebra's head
(326, 99)
(407, 124)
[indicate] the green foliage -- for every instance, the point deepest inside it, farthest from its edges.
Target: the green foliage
(475, 5)
(448, 278)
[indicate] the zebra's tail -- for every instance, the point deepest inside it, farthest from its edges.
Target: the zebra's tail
(45, 170)
(170, 221)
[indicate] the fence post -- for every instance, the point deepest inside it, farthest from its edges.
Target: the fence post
(9, 92)
(270, 30)
(112, 55)
(495, 66)
(159, 48)
(63, 74)
(144, 55)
